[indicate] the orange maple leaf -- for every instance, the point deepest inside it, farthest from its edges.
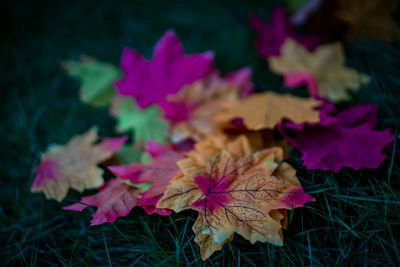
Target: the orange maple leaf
(234, 191)
(266, 110)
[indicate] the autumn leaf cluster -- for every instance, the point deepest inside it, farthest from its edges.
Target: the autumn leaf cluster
(194, 139)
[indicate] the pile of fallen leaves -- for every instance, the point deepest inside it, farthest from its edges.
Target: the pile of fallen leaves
(209, 143)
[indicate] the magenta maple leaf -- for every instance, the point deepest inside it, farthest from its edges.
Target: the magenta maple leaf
(340, 140)
(158, 172)
(150, 81)
(115, 199)
(271, 37)
(327, 117)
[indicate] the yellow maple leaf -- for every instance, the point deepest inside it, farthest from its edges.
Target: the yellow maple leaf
(369, 18)
(74, 165)
(266, 110)
(325, 64)
(234, 191)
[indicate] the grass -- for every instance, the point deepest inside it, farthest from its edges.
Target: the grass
(354, 221)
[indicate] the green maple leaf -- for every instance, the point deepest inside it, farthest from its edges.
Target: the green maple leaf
(96, 79)
(147, 124)
(128, 154)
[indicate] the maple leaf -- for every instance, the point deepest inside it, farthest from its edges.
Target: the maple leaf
(127, 154)
(296, 79)
(241, 79)
(97, 79)
(115, 199)
(203, 99)
(74, 165)
(206, 243)
(271, 37)
(149, 82)
(266, 110)
(348, 139)
(369, 18)
(325, 66)
(147, 124)
(158, 173)
(257, 139)
(234, 192)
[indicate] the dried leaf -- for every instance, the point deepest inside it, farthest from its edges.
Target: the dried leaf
(74, 165)
(271, 37)
(115, 199)
(158, 173)
(347, 137)
(234, 191)
(150, 81)
(266, 110)
(325, 65)
(97, 79)
(146, 124)
(369, 18)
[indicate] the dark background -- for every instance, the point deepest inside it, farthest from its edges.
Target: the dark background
(355, 219)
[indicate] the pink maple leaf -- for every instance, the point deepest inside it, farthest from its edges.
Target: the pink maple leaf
(292, 80)
(158, 172)
(272, 36)
(242, 79)
(115, 199)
